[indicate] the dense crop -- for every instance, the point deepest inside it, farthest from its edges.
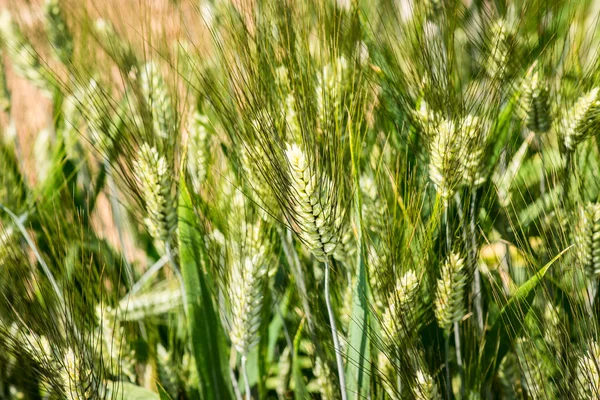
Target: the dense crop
(303, 199)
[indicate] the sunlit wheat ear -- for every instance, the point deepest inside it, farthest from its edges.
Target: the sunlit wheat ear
(426, 387)
(198, 149)
(498, 62)
(586, 237)
(535, 106)
(58, 32)
(246, 287)
(400, 318)
(5, 96)
(378, 263)
(473, 134)
(510, 377)
(110, 40)
(89, 104)
(450, 295)
(262, 192)
(117, 353)
(313, 212)
(324, 378)
(588, 372)
(386, 371)
(329, 88)
(149, 304)
(426, 118)
(168, 376)
(532, 369)
(553, 315)
(445, 164)
(24, 57)
(75, 377)
(158, 98)
(581, 121)
(152, 172)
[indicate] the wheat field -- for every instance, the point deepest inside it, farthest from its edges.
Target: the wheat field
(299, 199)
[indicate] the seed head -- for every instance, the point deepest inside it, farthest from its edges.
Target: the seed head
(159, 100)
(246, 286)
(24, 57)
(582, 121)
(587, 239)
(313, 210)
(400, 319)
(449, 302)
(198, 150)
(153, 176)
(588, 372)
(535, 105)
(445, 164)
(58, 32)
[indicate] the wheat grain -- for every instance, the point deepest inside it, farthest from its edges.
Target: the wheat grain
(314, 212)
(449, 301)
(155, 183)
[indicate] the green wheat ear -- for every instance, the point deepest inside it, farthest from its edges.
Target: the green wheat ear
(445, 163)
(198, 158)
(159, 100)
(587, 239)
(535, 105)
(449, 301)
(152, 172)
(582, 120)
(313, 210)
(58, 32)
(246, 287)
(26, 61)
(588, 372)
(400, 319)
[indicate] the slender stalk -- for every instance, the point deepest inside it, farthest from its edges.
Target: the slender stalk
(178, 275)
(334, 333)
(447, 362)
(148, 274)
(477, 296)
(246, 380)
(234, 383)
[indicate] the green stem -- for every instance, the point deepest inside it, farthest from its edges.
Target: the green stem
(178, 275)
(334, 334)
(246, 380)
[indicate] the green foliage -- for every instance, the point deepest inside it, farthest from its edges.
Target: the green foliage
(327, 199)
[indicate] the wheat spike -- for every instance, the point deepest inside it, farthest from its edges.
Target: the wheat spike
(58, 32)
(587, 239)
(158, 98)
(155, 183)
(168, 376)
(510, 377)
(313, 211)
(246, 286)
(26, 61)
(473, 137)
(324, 379)
(445, 165)
(110, 40)
(329, 88)
(582, 120)
(199, 149)
(498, 62)
(588, 372)
(148, 304)
(426, 387)
(535, 102)
(532, 369)
(449, 301)
(400, 319)
(117, 353)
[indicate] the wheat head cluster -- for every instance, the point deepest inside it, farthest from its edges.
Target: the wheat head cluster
(308, 199)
